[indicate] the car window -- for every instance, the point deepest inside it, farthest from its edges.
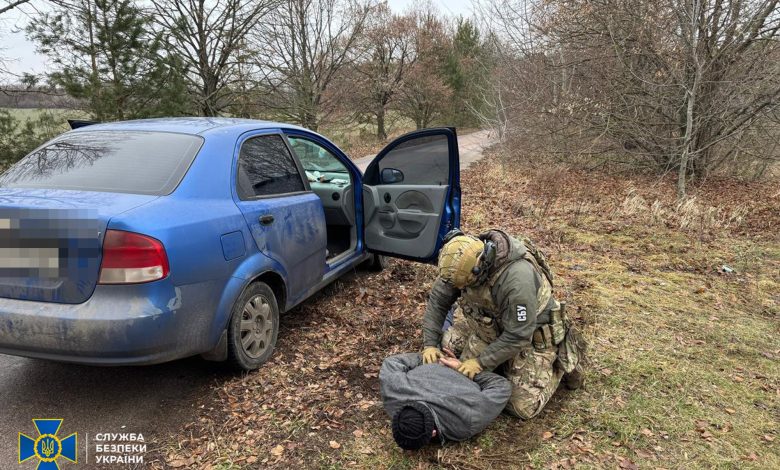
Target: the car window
(422, 160)
(266, 167)
(313, 157)
(108, 161)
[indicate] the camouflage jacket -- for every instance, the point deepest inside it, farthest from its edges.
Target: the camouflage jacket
(516, 298)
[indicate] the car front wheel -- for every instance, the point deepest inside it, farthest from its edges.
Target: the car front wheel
(376, 262)
(254, 326)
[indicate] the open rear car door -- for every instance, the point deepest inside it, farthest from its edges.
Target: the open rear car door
(411, 195)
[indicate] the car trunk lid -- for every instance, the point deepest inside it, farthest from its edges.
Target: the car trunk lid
(50, 241)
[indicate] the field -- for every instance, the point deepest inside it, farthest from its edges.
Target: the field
(679, 303)
(34, 113)
(356, 139)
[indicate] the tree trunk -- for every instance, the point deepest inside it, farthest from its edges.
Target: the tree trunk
(691, 95)
(209, 105)
(381, 133)
(94, 78)
(309, 120)
(682, 171)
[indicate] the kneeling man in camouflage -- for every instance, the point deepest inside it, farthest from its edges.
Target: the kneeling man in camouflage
(506, 318)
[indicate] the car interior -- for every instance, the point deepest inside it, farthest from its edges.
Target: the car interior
(331, 181)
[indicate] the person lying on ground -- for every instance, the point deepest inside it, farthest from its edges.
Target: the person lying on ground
(427, 401)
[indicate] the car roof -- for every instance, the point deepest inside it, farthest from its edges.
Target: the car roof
(188, 125)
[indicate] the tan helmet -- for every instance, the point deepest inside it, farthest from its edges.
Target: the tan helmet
(458, 258)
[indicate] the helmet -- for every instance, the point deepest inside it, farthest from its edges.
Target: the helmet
(458, 259)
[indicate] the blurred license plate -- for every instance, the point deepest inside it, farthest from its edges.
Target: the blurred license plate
(43, 261)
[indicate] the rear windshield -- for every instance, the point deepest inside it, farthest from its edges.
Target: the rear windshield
(108, 161)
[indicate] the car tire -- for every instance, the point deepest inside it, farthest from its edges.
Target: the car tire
(376, 262)
(253, 328)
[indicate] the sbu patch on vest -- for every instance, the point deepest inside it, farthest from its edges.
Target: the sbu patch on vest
(521, 313)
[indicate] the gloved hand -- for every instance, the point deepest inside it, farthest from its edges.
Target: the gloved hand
(470, 368)
(431, 354)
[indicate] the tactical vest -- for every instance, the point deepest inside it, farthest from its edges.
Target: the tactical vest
(479, 306)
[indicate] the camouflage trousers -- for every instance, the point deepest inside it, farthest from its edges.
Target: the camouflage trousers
(533, 373)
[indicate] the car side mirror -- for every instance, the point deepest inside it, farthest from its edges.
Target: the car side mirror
(391, 176)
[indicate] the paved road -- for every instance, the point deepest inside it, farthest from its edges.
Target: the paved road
(470, 147)
(149, 400)
(146, 400)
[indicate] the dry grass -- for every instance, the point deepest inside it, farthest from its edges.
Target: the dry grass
(685, 360)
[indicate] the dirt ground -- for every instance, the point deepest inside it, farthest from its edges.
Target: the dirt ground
(679, 302)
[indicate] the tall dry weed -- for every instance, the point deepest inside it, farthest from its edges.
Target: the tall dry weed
(634, 204)
(688, 215)
(545, 187)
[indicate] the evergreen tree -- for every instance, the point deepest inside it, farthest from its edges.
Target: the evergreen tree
(463, 68)
(108, 56)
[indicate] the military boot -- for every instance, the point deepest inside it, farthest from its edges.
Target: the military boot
(575, 378)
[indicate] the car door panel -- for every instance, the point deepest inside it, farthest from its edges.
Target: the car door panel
(287, 227)
(409, 222)
(296, 238)
(408, 217)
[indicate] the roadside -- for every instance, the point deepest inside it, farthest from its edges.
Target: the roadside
(470, 147)
(152, 401)
(683, 372)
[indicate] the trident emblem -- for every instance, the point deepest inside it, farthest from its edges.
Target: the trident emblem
(47, 447)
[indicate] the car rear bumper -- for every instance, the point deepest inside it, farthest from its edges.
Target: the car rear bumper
(119, 325)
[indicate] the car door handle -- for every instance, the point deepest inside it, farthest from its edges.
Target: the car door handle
(266, 219)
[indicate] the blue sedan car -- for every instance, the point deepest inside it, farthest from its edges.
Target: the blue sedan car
(145, 241)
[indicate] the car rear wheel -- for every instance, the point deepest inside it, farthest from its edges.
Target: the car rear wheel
(253, 327)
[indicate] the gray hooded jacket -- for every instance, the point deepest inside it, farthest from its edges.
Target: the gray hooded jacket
(461, 407)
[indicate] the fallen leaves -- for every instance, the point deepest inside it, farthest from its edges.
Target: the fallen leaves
(627, 464)
(178, 463)
(703, 428)
(277, 451)
(366, 450)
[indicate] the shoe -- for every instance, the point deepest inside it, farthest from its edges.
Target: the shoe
(575, 378)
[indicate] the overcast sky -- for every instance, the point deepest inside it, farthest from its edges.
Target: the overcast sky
(20, 55)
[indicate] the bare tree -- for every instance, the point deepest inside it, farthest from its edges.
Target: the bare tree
(5, 7)
(675, 85)
(10, 5)
(424, 94)
(207, 35)
(690, 23)
(424, 97)
(389, 51)
(300, 51)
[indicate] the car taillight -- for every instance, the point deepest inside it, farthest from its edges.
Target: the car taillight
(130, 258)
